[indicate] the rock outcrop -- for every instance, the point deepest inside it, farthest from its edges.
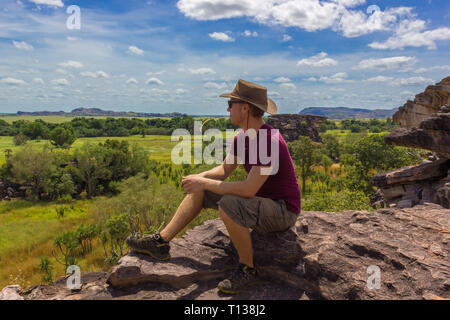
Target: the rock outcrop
(292, 126)
(384, 254)
(425, 124)
(425, 104)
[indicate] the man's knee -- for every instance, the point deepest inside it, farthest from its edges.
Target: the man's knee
(225, 202)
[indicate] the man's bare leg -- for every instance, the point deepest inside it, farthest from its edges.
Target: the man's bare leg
(240, 236)
(188, 209)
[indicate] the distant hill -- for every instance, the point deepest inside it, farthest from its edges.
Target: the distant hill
(96, 112)
(343, 112)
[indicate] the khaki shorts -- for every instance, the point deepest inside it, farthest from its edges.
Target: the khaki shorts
(258, 213)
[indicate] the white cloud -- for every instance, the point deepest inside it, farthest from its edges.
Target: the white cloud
(132, 81)
(181, 91)
(282, 79)
(53, 3)
(414, 81)
(221, 36)
(248, 33)
(379, 79)
(312, 79)
(71, 64)
(286, 38)
(23, 45)
(98, 74)
(38, 80)
(386, 63)
(357, 23)
(288, 85)
(213, 85)
(313, 15)
(156, 73)
(335, 78)
(319, 60)
(423, 70)
(13, 82)
(200, 71)
(60, 82)
(71, 38)
(135, 50)
(410, 33)
(154, 81)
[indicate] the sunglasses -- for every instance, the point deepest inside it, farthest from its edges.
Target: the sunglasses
(230, 103)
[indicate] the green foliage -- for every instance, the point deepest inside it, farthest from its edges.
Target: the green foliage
(33, 167)
(118, 230)
(331, 144)
(20, 139)
(46, 268)
(336, 201)
(62, 137)
(85, 236)
(68, 245)
(305, 153)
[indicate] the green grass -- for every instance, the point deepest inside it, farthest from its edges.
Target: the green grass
(158, 147)
(27, 232)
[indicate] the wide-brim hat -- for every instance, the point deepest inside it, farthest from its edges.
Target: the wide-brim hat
(254, 94)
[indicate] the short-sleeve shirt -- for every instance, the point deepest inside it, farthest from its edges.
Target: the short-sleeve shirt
(282, 183)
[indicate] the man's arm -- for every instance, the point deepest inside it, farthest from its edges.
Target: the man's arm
(246, 189)
(222, 171)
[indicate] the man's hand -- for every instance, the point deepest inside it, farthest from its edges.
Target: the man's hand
(193, 183)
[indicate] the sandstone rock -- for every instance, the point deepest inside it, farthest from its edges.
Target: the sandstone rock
(425, 124)
(424, 105)
(325, 256)
(11, 293)
(414, 173)
(292, 126)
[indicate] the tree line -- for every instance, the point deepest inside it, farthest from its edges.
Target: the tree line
(356, 126)
(64, 134)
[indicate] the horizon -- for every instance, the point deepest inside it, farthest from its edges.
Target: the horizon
(180, 55)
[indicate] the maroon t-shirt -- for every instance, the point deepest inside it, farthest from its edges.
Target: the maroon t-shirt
(282, 183)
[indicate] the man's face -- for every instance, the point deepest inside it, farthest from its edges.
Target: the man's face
(237, 112)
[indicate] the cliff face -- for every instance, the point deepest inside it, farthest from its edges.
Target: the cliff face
(292, 126)
(425, 124)
(385, 254)
(425, 104)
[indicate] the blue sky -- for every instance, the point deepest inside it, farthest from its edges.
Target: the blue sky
(178, 56)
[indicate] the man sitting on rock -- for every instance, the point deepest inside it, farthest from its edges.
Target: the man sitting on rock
(267, 201)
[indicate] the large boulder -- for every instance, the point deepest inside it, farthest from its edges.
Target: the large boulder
(384, 254)
(424, 105)
(292, 126)
(425, 124)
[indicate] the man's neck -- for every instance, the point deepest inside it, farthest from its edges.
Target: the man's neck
(254, 124)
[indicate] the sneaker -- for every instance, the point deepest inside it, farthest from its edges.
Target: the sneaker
(152, 245)
(243, 277)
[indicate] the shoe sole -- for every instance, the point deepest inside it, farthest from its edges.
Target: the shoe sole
(143, 251)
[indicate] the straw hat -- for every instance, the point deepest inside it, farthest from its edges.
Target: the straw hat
(252, 93)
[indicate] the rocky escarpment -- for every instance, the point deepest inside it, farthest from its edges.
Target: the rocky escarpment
(425, 104)
(425, 124)
(292, 126)
(384, 254)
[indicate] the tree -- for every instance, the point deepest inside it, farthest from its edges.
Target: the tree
(19, 139)
(92, 167)
(305, 153)
(62, 137)
(331, 144)
(33, 167)
(36, 129)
